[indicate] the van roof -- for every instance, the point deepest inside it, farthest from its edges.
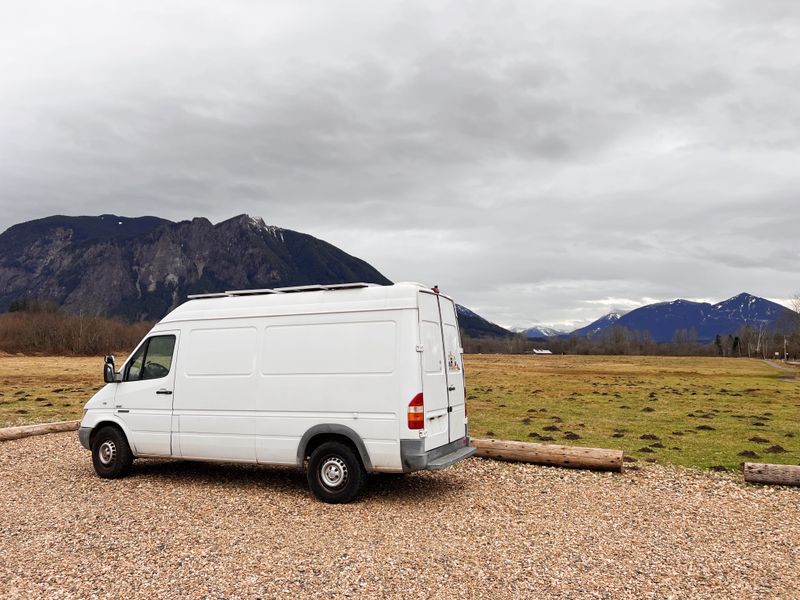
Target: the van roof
(286, 301)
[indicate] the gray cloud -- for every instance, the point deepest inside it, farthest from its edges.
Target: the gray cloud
(543, 161)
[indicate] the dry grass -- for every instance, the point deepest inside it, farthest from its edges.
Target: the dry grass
(701, 412)
(39, 389)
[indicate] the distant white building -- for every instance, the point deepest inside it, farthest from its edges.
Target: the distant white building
(537, 351)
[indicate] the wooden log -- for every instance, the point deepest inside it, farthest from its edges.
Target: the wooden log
(774, 474)
(15, 433)
(571, 457)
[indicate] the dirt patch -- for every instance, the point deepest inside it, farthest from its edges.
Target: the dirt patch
(748, 454)
(775, 449)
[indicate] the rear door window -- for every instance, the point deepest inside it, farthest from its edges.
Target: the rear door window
(432, 343)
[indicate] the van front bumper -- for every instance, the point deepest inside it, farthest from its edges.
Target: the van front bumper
(414, 457)
(84, 433)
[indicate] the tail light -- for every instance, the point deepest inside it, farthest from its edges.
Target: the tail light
(416, 413)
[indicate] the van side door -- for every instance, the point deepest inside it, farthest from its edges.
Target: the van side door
(144, 397)
(213, 417)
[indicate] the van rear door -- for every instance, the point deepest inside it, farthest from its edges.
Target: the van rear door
(434, 377)
(454, 365)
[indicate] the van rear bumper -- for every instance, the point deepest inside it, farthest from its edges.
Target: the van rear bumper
(414, 457)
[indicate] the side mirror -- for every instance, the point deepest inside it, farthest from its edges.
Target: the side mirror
(109, 370)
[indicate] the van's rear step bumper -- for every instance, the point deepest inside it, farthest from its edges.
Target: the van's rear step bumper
(414, 457)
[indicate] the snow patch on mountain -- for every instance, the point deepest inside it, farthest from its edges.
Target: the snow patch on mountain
(542, 331)
(463, 311)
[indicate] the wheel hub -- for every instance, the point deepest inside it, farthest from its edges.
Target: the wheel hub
(107, 452)
(333, 472)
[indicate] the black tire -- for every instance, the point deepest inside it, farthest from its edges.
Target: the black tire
(334, 462)
(111, 454)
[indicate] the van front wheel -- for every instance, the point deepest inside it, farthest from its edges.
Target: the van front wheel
(111, 454)
(335, 473)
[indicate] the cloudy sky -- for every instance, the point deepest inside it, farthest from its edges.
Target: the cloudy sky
(543, 162)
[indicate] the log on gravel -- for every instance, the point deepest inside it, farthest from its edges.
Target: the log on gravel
(15, 433)
(572, 457)
(774, 474)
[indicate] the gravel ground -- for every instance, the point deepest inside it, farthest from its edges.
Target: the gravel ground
(482, 529)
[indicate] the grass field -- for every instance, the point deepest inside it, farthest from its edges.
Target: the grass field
(38, 389)
(702, 412)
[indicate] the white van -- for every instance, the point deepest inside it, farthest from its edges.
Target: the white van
(344, 378)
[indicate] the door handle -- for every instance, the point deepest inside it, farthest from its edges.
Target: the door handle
(165, 392)
(451, 388)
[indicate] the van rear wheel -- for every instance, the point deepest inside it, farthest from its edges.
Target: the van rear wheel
(335, 473)
(111, 454)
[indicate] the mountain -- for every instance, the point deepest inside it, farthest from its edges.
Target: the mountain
(141, 268)
(748, 308)
(541, 332)
(599, 325)
(663, 319)
(474, 325)
(79, 229)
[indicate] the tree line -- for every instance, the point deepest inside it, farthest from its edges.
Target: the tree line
(39, 327)
(747, 342)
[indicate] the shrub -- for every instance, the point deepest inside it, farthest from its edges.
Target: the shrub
(51, 332)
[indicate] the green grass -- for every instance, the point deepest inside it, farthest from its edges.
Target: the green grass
(703, 412)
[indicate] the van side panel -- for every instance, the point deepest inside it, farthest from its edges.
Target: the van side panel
(346, 369)
(216, 391)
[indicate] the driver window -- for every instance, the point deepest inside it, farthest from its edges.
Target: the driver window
(159, 357)
(153, 360)
(134, 370)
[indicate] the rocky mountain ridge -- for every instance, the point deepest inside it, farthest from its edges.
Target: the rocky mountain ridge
(140, 268)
